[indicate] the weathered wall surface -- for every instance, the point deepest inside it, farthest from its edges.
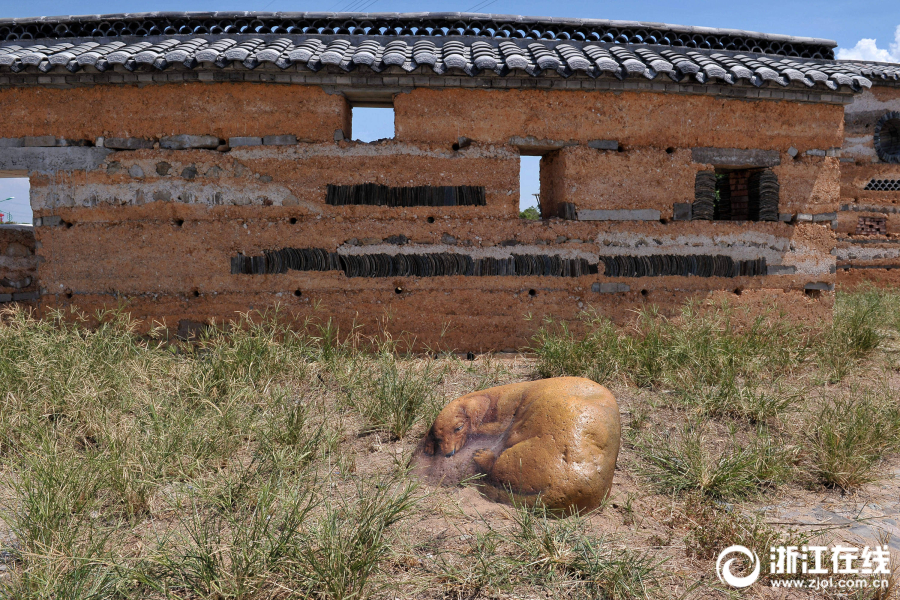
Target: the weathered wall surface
(869, 219)
(860, 117)
(224, 110)
(182, 272)
(294, 177)
(634, 178)
(611, 180)
(633, 119)
(159, 227)
(18, 265)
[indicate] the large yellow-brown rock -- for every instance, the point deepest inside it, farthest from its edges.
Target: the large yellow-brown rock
(556, 439)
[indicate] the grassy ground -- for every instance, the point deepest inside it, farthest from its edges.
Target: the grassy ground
(261, 462)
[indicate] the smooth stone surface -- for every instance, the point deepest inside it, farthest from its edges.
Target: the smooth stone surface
(682, 211)
(39, 141)
(280, 140)
(643, 214)
(245, 141)
(736, 157)
(185, 142)
(131, 143)
(610, 288)
(780, 269)
(603, 144)
(557, 439)
(51, 160)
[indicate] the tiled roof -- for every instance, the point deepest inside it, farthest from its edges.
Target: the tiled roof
(410, 25)
(878, 72)
(438, 55)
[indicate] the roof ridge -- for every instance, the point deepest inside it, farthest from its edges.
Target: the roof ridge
(413, 24)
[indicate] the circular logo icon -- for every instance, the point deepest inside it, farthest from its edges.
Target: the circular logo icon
(724, 570)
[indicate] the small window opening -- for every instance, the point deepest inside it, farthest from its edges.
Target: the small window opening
(530, 187)
(15, 200)
(736, 195)
(372, 124)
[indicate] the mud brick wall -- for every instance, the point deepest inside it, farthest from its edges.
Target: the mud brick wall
(18, 265)
(224, 110)
(159, 212)
(870, 194)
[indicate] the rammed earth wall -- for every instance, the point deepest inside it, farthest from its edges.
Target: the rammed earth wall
(197, 177)
(870, 194)
(159, 227)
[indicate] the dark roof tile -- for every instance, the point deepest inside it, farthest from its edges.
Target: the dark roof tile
(445, 55)
(413, 25)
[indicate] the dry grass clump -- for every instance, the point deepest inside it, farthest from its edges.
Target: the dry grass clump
(537, 550)
(391, 393)
(849, 435)
(227, 443)
(698, 347)
(714, 526)
(690, 460)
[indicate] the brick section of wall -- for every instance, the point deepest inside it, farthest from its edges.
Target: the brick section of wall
(740, 195)
(871, 226)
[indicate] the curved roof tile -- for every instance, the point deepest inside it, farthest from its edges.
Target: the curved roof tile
(415, 25)
(444, 55)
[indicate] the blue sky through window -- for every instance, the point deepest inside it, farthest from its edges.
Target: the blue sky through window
(371, 124)
(19, 208)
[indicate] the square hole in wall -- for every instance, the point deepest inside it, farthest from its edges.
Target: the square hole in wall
(530, 187)
(370, 124)
(15, 202)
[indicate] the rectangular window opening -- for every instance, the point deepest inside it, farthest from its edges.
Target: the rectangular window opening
(530, 187)
(15, 201)
(736, 195)
(371, 123)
